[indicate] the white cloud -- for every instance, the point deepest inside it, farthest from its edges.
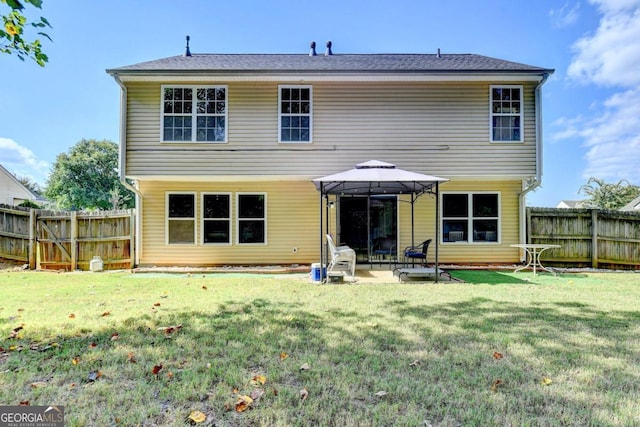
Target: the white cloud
(612, 138)
(565, 16)
(22, 161)
(610, 57)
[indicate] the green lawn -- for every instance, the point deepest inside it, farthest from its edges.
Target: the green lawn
(501, 349)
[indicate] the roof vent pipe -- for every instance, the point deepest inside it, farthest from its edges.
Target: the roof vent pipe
(187, 52)
(328, 52)
(438, 55)
(312, 52)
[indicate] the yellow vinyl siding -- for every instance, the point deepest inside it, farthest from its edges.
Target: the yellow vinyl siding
(466, 253)
(292, 222)
(436, 128)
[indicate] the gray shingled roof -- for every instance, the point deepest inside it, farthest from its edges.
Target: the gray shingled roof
(356, 63)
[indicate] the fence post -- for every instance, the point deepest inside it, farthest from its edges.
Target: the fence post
(74, 241)
(528, 231)
(32, 240)
(594, 238)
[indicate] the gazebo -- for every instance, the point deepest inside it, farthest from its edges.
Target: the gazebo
(374, 178)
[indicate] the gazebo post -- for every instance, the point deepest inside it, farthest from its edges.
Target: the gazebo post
(437, 228)
(321, 235)
(413, 232)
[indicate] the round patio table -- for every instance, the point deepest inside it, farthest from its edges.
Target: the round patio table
(533, 256)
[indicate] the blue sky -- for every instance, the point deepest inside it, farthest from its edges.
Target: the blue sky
(591, 105)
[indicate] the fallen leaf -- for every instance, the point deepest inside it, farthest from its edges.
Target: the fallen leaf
(156, 369)
(169, 375)
(305, 367)
(381, 393)
(546, 381)
(93, 345)
(115, 336)
(156, 304)
(170, 329)
(414, 363)
(256, 394)
(131, 357)
(283, 355)
(243, 403)
(94, 375)
(204, 287)
(496, 384)
(72, 385)
(106, 313)
(75, 360)
(14, 332)
(304, 393)
(197, 417)
(38, 384)
(497, 355)
(275, 391)
(72, 316)
(24, 403)
(235, 390)
(258, 379)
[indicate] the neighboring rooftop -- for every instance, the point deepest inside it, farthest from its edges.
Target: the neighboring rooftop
(633, 205)
(572, 204)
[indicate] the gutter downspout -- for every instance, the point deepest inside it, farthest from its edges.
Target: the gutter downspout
(532, 184)
(122, 157)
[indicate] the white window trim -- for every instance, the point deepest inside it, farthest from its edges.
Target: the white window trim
(470, 218)
(194, 114)
(203, 219)
(238, 219)
(491, 113)
(167, 219)
(310, 87)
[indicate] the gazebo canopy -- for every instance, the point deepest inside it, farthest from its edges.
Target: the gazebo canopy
(376, 177)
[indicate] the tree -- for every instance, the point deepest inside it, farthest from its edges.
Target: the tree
(86, 178)
(604, 195)
(30, 184)
(12, 33)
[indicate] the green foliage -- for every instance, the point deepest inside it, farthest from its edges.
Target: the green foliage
(30, 184)
(86, 178)
(30, 204)
(604, 195)
(12, 33)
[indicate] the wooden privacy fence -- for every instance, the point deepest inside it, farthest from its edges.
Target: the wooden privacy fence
(67, 240)
(589, 237)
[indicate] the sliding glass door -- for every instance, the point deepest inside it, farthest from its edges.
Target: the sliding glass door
(369, 225)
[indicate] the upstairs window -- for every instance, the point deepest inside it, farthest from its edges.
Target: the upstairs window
(506, 114)
(294, 110)
(194, 114)
(470, 217)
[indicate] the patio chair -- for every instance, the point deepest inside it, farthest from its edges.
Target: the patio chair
(384, 249)
(341, 257)
(417, 252)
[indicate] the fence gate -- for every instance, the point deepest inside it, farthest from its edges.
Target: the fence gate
(68, 241)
